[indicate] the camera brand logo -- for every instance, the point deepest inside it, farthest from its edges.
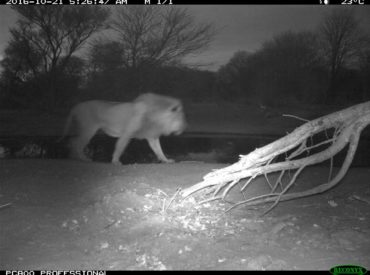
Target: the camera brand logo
(348, 270)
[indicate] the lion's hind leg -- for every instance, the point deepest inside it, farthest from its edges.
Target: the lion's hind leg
(79, 143)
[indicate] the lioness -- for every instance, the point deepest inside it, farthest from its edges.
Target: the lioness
(148, 117)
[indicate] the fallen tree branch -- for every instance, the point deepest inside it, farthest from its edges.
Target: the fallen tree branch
(347, 125)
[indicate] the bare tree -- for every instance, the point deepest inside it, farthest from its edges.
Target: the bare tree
(45, 39)
(159, 35)
(148, 38)
(342, 42)
(365, 70)
(105, 56)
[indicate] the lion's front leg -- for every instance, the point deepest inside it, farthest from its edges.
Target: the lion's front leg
(132, 126)
(157, 149)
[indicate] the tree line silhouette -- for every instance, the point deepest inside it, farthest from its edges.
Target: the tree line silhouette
(58, 56)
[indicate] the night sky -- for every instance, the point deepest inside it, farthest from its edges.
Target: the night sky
(243, 27)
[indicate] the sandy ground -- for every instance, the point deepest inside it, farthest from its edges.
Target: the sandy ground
(67, 214)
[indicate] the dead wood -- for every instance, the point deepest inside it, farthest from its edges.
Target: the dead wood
(346, 126)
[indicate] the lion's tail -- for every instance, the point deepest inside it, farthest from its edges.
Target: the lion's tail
(67, 126)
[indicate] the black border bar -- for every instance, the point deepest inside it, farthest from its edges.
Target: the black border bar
(184, 2)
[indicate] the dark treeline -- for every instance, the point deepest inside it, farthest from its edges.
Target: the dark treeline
(43, 66)
(330, 65)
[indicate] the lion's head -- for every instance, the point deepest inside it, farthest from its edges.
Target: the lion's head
(164, 116)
